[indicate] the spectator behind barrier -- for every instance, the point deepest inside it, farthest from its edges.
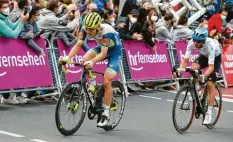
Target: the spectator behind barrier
(91, 7)
(108, 16)
(129, 6)
(116, 4)
(181, 31)
(66, 37)
(32, 31)
(143, 13)
(12, 30)
(16, 13)
(148, 29)
(13, 4)
(229, 5)
(129, 28)
(217, 22)
(41, 3)
(102, 4)
(163, 26)
(212, 8)
(9, 29)
(62, 10)
(49, 22)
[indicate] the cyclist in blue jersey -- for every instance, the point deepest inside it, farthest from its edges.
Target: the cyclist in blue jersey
(109, 47)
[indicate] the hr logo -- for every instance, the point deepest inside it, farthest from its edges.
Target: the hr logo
(20, 61)
(78, 59)
(138, 60)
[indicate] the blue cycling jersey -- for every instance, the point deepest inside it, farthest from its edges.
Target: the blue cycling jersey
(114, 45)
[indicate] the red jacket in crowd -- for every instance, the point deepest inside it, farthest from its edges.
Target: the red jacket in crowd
(215, 22)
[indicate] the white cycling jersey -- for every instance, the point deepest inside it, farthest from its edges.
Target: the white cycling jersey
(210, 49)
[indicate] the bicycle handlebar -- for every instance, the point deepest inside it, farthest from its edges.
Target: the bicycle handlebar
(178, 71)
(188, 69)
(64, 69)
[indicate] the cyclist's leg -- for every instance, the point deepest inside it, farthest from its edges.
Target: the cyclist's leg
(91, 54)
(110, 73)
(211, 89)
(212, 79)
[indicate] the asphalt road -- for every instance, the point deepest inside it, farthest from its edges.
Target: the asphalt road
(147, 118)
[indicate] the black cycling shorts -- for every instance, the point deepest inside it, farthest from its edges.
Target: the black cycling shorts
(203, 62)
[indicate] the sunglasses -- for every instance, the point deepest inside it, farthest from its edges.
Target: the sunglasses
(197, 41)
(135, 16)
(89, 29)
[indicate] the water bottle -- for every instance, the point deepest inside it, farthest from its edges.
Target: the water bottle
(92, 85)
(197, 87)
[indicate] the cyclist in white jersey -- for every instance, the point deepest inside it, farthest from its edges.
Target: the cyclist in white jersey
(210, 56)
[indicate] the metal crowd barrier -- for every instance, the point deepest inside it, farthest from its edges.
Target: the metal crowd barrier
(138, 64)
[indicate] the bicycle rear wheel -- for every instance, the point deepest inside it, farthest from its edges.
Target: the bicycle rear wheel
(185, 102)
(73, 102)
(217, 108)
(117, 107)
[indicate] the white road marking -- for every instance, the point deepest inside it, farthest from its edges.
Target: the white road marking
(229, 111)
(223, 99)
(170, 100)
(37, 140)
(228, 96)
(11, 134)
(150, 97)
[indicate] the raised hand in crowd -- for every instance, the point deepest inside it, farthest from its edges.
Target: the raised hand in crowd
(77, 15)
(151, 28)
(213, 32)
(121, 25)
(31, 35)
(24, 18)
(154, 48)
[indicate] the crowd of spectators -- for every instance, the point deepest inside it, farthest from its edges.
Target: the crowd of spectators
(139, 20)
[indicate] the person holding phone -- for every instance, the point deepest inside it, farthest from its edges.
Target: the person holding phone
(11, 30)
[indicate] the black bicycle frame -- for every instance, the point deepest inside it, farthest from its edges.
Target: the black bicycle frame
(192, 87)
(84, 83)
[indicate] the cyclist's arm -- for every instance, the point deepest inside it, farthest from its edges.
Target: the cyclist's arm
(103, 53)
(78, 45)
(211, 59)
(76, 48)
(184, 63)
(187, 55)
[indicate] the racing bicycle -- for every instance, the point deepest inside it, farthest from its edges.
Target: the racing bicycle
(73, 101)
(194, 103)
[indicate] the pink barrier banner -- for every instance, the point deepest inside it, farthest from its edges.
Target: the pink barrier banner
(181, 47)
(144, 64)
(76, 72)
(20, 67)
(227, 64)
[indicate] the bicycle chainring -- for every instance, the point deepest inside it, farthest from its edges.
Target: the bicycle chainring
(90, 113)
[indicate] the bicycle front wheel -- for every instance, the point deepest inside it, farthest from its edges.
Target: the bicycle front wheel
(71, 109)
(217, 108)
(184, 103)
